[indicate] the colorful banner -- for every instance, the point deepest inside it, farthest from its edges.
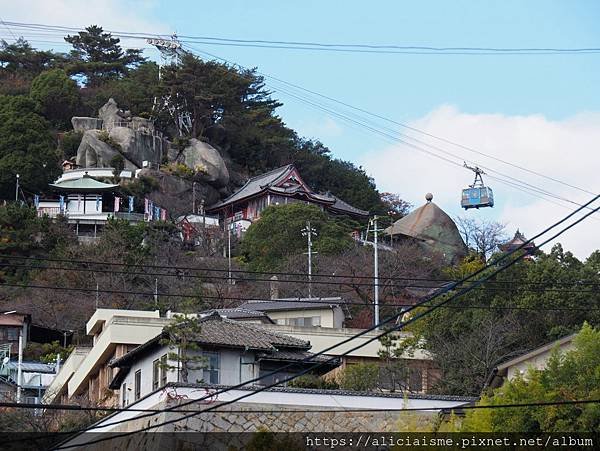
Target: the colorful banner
(146, 206)
(117, 203)
(130, 204)
(36, 200)
(97, 203)
(61, 203)
(156, 213)
(163, 214)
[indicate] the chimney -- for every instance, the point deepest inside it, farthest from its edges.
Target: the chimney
(274, 288)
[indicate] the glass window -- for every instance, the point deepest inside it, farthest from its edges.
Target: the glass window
(137, 384)
(163, 370)
(211, 370)
(12, 334)
(415, 381)
(124, 394)
(155, 374)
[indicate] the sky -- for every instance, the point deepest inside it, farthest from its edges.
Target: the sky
(540, 112)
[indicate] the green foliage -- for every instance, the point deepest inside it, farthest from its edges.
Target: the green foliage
(20, 63)
(360, 377)
(27, 147)
(69, 144)
(47, 352)
(312, 381)
(141, 186)
(572, 375)
(468, 343)
(118, 164)
(98, 56)
(57, 97)
(179, 170)
(278, 234)
(180, 336)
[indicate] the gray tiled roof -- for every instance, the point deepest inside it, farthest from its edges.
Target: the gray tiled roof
(298, 355)
(221, 332)
(291, 304)
(236, 313)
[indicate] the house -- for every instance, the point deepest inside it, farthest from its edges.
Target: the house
(431, 229)
(315, 312)
(13, 324)
(320, 322)
(197, 230)
(536, 359)
(277, 187)
(35, 379)
(234, 352)
(86, 373)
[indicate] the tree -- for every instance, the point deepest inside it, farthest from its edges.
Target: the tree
(98, 57)
(57, 97)
(278, 235)
(572, 375)
(360, 377)
(481, 236)
(27, 147)
(180, 336)
(396, 206)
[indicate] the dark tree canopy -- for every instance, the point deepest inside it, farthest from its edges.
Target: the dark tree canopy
(27, 147)
(57, 97)
(98, 56)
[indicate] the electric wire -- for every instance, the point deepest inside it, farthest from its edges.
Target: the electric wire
(377, 326)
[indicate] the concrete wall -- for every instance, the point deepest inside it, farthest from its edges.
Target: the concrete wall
(329, 318)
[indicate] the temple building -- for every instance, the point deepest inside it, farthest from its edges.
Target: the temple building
(432, 229)
(277, 187)
(87, 204)
(517, 241)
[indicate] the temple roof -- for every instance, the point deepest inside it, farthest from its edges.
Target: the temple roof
(85, 184)
(517, 241)
(286, 181)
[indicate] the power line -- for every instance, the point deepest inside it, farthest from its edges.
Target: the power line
(521, 185)
(180, 275)
(337, 47)
(395, 317)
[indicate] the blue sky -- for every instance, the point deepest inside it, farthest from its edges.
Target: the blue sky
(538, 111)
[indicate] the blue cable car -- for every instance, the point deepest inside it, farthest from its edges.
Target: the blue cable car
(477, 195)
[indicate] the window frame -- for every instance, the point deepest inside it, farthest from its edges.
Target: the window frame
(210, 370)
(137, 385)
(155, 374)
(163, 370)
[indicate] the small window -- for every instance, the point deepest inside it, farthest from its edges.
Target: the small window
(124, 394)
(137, 384)
(163, 370)
(211, 370)
(415, 380)
(12, 334)
(155, 374)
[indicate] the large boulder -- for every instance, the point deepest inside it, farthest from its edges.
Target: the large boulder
(95, 153)
(112, 115)
(205, 160)
(138, 146)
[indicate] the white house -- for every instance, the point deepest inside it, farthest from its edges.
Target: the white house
(233, 352)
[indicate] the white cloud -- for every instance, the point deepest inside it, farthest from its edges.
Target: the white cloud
(565, 149)
(324, 127)
(119, 15)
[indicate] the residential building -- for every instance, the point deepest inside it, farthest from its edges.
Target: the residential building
(234, 352)
(35, 379)
(87, 374)
(536, 359)
(13, 324)
(277, 187)
(315, 312)
(431, 229)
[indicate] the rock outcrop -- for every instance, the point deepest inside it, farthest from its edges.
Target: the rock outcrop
(95, 153)
(83, 124)
(138, 146)
(205, 160)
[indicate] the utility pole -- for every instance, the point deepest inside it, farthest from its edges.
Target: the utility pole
(156, 292)
(193, 197)
(20, 365)
(17, 190)
(376, 271)
(229, 253)
(308, 232)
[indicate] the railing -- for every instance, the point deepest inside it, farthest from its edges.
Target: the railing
(137, 126)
